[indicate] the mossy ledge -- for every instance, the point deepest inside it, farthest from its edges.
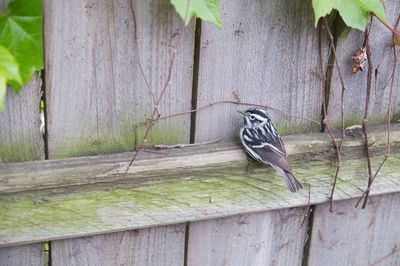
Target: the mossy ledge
(67, 198)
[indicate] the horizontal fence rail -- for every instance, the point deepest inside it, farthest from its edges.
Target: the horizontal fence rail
(87, 196)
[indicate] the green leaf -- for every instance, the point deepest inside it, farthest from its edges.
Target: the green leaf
(208, 10)
(343, 36)
(21, 33)
(354, 12)
(8, 71)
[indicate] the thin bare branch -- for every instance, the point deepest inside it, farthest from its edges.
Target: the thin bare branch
(182, 145)
(325, 121)
(138, 54)
(308, 209)
(394, 250)
(393, 30)
(397, 22)
(265, 106)
(388, 127)
(388, 123)
(337, 65)
(365, 118)
(155, 114)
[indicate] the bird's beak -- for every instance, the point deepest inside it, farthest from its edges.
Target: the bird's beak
(240, 112)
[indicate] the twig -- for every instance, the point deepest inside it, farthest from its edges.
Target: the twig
(388, 126)
(394, 31)
(137, 52)
(308, 209)
(155, 114)
(332, 41)
(161, 146)
(365, 118)
(394, 250)
(325, 121)
(397, 22)
(387, 50)
(265, 106)
(323, 78)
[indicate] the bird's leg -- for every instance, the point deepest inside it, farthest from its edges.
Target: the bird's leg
(249, 162)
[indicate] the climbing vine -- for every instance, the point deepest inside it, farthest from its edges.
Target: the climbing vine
(21, 45)
(356, 14)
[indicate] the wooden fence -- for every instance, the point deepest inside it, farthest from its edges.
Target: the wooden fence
(200, 205)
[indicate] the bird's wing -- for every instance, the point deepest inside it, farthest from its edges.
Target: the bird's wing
(273, 153)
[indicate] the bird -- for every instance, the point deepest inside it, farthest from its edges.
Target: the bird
(262, 142)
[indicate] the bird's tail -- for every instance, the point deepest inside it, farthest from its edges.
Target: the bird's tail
(293, 184)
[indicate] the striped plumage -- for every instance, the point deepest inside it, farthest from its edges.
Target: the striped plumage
(262, 142)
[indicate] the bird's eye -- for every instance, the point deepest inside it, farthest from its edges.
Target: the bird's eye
(252, 117)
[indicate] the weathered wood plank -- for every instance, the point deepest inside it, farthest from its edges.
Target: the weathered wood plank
(267, 51)
(163, 245)
(352, 236)
(26, 255)
(219, 187)
(175, 192)
(96, 93)
(21, 140)
(107, 168)
(381, 39)
(266, 238)
(20, 137)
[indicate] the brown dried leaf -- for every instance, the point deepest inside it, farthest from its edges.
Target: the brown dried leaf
(236, 96)
(359, 58)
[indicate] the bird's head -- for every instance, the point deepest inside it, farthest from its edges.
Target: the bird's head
(253, 117)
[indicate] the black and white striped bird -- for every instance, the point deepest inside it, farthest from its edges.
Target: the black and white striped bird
(263, 143)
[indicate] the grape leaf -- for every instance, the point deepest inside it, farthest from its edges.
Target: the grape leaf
(8, 70)
(208, 10)
(354, 12)
(21, 33)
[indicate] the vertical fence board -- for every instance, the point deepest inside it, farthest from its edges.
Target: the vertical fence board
(163, 245)
(267, 238)
(21, 140)
(96, 93)
(20, 137)
(354, 100)
(352, 236)
(267, 51)
(26, 255)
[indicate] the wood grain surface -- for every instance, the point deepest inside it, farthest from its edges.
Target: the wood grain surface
(351, 236)
(266, 238)
(96, 94)
(267, 54)
(92, 197)
(24, 255)
(163, 245)
(20, 137)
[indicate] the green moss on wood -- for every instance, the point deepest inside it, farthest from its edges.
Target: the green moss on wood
(163, 134)
(292, 127)
(18, 152)
(203, 192)
(356, 119)
(127, 139)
